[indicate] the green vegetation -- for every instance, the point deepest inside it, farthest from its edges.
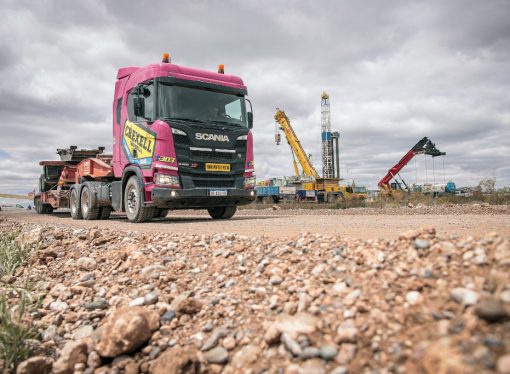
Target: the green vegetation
(15, 303)
(12, 254)
(15, 332)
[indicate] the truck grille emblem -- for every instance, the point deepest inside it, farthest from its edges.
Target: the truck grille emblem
(214, 137)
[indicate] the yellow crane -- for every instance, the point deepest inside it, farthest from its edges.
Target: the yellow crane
(327, 189)
(295, 145)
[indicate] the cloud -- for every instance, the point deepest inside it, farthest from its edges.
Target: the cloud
(396, 71)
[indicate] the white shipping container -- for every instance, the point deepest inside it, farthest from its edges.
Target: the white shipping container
(287, 190)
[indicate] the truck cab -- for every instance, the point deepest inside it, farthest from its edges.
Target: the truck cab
(181, 140)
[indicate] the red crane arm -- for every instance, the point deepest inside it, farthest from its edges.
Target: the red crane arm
(424, 146)
(395, 169)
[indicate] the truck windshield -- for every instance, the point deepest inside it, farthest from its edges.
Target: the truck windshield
(196, 104)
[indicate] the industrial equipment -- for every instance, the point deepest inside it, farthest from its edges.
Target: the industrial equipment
(181, 140)
(327, 189)
(424, 146)
(330, 145)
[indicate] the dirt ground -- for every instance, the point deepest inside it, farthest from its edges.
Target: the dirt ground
(364, 223)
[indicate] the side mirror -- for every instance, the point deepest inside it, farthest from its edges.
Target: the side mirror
(139, 106)
(250, 115)
(250, 120)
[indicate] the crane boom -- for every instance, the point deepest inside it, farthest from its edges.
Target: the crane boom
(424, 146)
(295, 145)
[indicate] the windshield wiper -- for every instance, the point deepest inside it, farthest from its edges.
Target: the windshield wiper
(189, 121)
(225, 123)
(182, 119)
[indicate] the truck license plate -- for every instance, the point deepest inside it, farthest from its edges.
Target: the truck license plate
(217, 192)
(217, 167)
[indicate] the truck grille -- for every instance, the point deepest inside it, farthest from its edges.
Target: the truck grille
(212, 156)
(214, 183)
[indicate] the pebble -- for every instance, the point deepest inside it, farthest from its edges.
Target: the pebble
(217, 355)
(328, 352)
(59, 306)
(86, 263)
(309, 352)
(491, 309)
(155, 351)
(414, 297)
(275, 280)
(421, 243)
(464, 296)
(213, 340)
(229, 343)
(98, 303)
(139, 301)
(168, 316)
(291, 345)
(49, 333)
(150, 298)
(83, 332)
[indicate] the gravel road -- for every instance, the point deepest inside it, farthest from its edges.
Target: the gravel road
(113, 300)
(361, 223)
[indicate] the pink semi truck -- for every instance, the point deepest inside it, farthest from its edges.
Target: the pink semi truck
(181, 140)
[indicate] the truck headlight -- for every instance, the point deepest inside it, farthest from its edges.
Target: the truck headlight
(178, 132)
(249, 182)
(167, 180)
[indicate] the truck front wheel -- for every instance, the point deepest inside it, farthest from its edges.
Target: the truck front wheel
(89, 209)
(225, 212)
(161, 213)
(133, 202)
(74, 205)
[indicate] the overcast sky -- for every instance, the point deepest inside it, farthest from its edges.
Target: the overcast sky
(396, 71)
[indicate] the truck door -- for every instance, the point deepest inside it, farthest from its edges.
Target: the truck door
(138, 140)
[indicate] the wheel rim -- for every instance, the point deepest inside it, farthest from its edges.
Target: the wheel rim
(84, 200)
(73, 202)
(132, 199)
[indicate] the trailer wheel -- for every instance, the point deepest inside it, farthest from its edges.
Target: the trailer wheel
(104, 212)
(89, 209)
(133, 202)
(161, 213)
(74, 205)
(225, 212)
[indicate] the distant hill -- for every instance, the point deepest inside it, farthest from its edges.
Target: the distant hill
(13, 196)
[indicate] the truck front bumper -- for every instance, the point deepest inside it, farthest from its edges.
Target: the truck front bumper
(195, 198)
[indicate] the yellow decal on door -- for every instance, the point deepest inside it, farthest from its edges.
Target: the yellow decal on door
(138, 143)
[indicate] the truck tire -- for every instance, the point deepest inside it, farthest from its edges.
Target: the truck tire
(133, 202)
(332, 198)
(74, 205)
(38, 205)
(89, 209)
(160, 213)
(104, 212)
(225, 212)
(47, 209)
(341, 200)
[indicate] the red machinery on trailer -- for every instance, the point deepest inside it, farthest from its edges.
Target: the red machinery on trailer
(74, 166)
